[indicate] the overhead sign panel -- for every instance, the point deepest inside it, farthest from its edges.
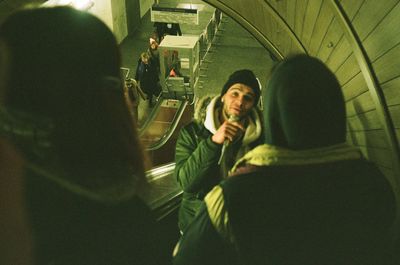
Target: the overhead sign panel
(174, 15)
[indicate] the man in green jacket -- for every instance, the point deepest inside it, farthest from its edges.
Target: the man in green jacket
(225, 127)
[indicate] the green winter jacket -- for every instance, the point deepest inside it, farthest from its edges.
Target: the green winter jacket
(196, 168)
(196, 156)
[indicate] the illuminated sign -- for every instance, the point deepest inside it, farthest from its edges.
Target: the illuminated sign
(174, 15)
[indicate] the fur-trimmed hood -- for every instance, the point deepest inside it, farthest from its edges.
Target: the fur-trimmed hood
(201, 108)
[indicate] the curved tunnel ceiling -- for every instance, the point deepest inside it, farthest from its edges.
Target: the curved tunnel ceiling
(359, 41)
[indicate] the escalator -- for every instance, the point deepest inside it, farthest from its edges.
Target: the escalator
(160, 131)
(163, 194)
(159, 135)
(174, 109)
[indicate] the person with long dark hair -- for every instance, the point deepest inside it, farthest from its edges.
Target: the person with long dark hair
(65, 110)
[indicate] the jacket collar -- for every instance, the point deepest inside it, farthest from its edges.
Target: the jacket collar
(266, 155)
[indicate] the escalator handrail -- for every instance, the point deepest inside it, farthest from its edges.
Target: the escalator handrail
(164, 206)
(171, 129)
(159, 172)
(151, 117)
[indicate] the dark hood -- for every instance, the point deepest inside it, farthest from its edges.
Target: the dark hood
(303, 105)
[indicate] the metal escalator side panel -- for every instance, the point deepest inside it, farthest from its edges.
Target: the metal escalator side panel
(173, 125)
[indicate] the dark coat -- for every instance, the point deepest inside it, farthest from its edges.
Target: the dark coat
(147, 76)
(337, 213)
(154, 58)
(69, 227)
(314, 201)
(196, 168)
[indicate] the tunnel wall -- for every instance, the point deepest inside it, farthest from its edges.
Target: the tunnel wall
(359, 41)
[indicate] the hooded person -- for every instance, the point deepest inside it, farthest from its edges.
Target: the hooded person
(230, 122)
(303, 197)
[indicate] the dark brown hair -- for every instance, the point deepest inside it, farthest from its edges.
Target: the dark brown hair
(65, 66)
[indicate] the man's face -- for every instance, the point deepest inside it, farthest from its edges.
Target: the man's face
(153, 45)
(238, 100)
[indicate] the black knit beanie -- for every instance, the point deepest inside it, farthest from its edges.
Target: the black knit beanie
(245, 77)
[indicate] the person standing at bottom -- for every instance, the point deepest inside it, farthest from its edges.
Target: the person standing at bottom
(147, 77)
